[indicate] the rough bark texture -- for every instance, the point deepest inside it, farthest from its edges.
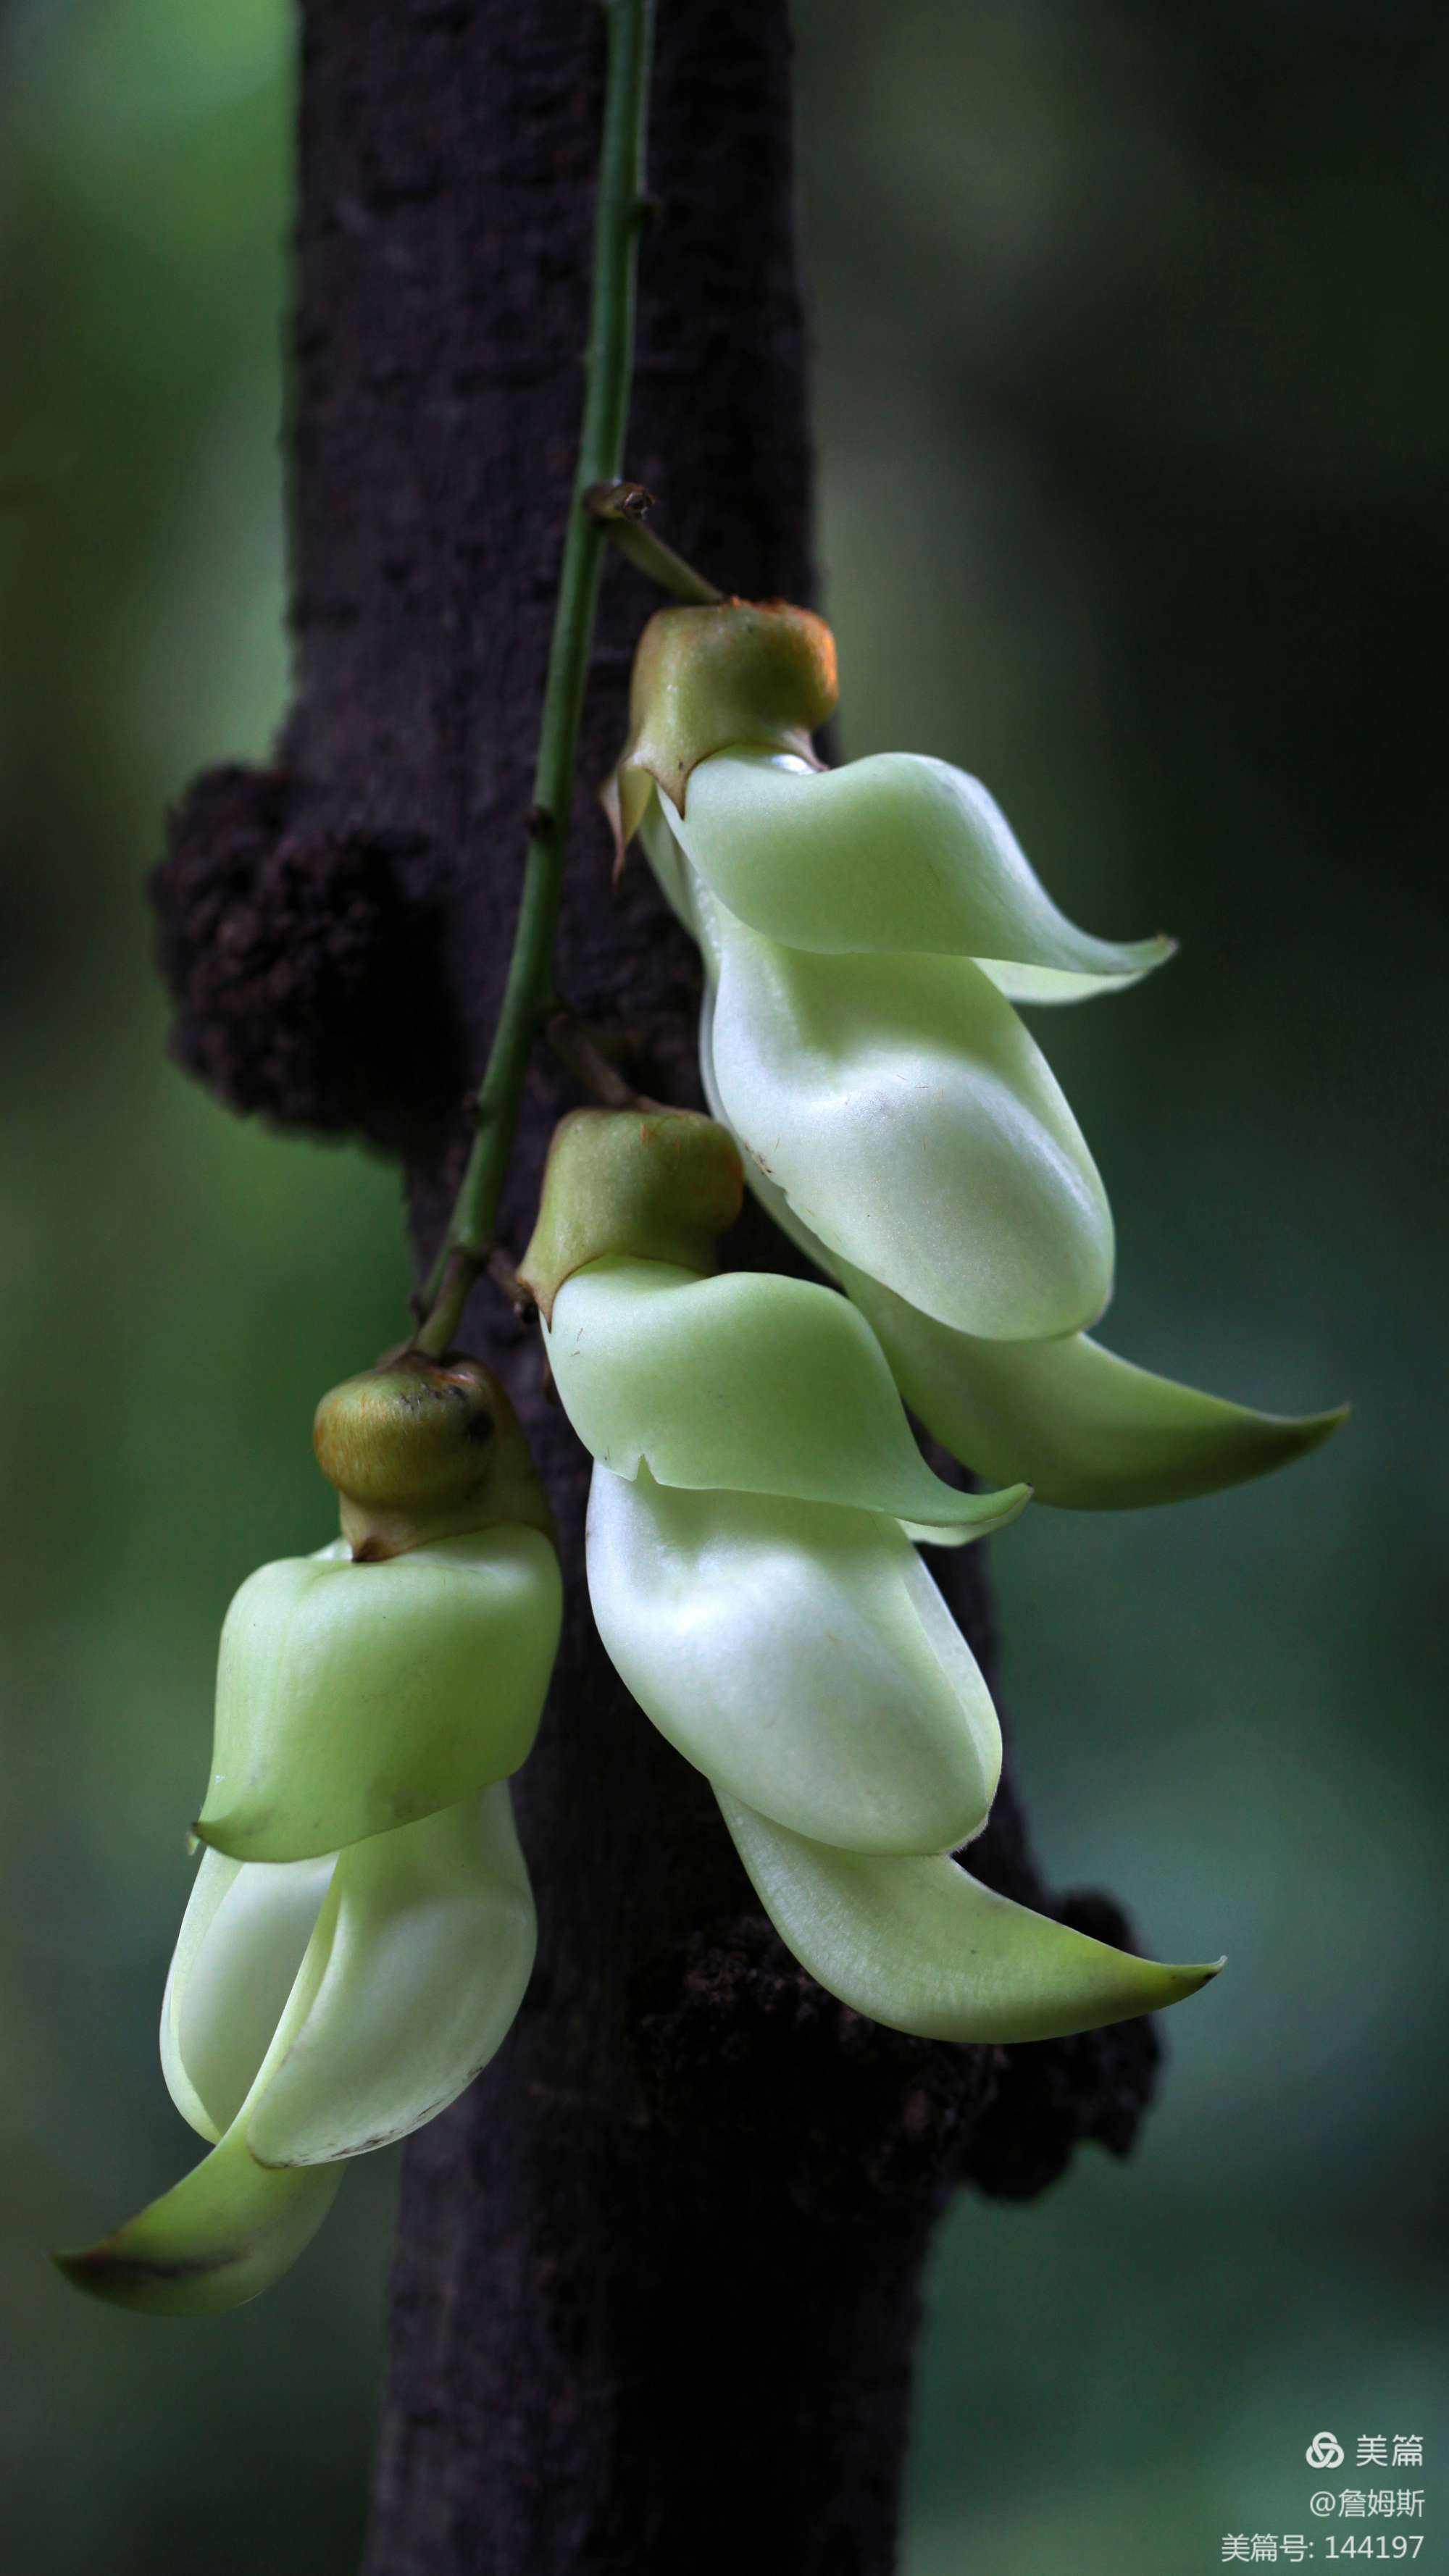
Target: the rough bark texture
(657, 2283)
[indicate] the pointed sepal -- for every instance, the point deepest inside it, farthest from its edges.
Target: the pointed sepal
(923, 1947)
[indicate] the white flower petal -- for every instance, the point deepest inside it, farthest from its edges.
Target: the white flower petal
(914, 1126)
(418, 1968)
(229, 2228)
(893, 852)
(241, 1944)
(749, 1382)
(923, 1947)
(799, 1654)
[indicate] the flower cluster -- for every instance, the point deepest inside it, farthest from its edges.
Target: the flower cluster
(866, 933)
(361, 1928)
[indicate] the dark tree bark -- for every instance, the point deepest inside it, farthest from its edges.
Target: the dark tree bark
(657, 2280)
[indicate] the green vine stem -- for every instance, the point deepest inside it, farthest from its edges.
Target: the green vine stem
(621, 210)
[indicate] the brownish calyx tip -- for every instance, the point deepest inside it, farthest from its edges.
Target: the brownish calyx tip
(757, 675)
(421, 1448)
(650, 1185)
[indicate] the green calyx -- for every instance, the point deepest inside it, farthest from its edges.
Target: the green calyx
(757, 674)
(645, 1184)
(422, 1449)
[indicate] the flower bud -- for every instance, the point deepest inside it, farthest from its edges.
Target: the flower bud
(756, 673)
(645, 1184)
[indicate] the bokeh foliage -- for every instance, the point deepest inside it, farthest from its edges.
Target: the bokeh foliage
(1131, 414)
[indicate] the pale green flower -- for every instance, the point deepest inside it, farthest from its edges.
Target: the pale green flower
(866, 932)
(361, 1929)
(316, 2009)
(753, 1578)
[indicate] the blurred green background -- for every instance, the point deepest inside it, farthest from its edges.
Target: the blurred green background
(1131, 411)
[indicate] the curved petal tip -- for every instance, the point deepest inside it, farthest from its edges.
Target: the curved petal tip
(222, 1834)
(225, 2232)
(1283, 1437)
(1090, 1431)
(1191, 1980)
(1008, 1505)
(998, 1511)
(1141, 957)
(110, 2270)
(921, 1946)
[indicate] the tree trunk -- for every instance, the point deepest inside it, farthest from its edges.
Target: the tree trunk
(657, 2279)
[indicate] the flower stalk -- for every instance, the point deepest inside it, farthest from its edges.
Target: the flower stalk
(622, 208)
(622, 510)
